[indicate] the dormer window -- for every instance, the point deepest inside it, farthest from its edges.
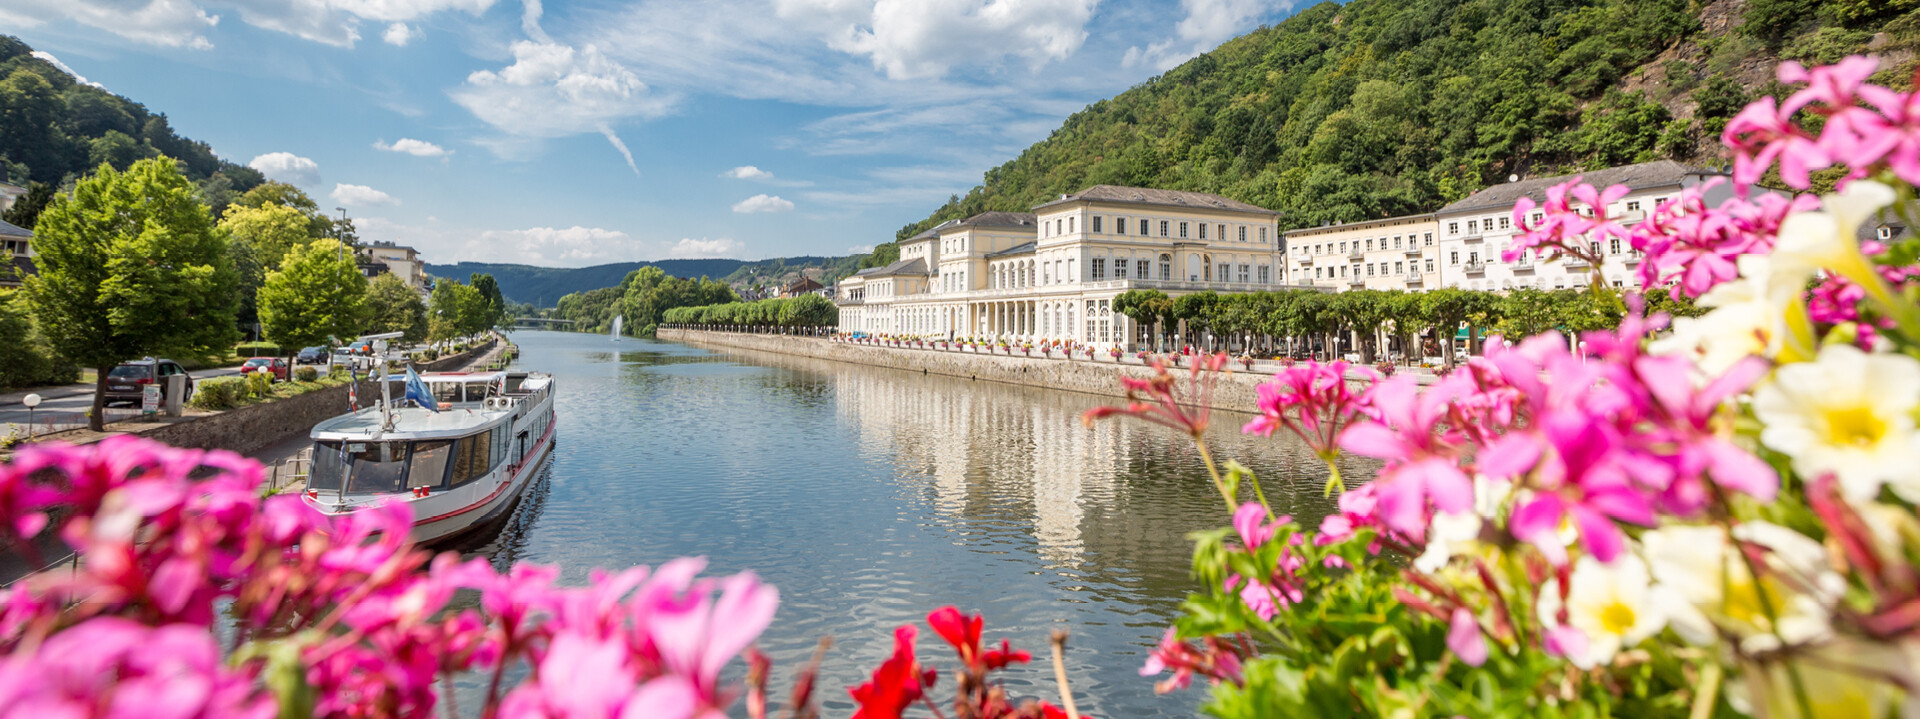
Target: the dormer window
(1884, 233)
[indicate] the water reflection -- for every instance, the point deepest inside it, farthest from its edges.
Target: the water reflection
(870, 496)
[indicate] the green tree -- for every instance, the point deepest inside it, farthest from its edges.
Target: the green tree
(316, 294)
(1146, 307)
(280, 193)
(272, 230)
(496, 304)
(395, 307)
(25, 211)
(130, 265)
(1449, 308)
(457, 311)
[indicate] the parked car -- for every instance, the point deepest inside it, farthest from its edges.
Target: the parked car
(363, 348)
(312, 355)
(278, 367)
(126, 382)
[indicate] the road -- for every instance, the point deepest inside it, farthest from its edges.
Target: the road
(66, 407)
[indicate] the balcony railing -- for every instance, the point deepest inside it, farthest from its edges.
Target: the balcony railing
(1415, 278)
(1474, 268)
(1574, 263)
(1306, 260)
(1413, 252)
(1475, 237)
(1357, 282)
(1355, 255)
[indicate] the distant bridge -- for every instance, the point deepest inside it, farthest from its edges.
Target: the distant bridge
(540, 320)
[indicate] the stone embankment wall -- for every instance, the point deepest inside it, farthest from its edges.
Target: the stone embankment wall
(255, 427)
(1233, 392)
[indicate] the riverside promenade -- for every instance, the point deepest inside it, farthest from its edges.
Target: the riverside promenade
(1234, 391)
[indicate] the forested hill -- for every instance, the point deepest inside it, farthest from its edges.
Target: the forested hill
(1378, 108)
(544, 286)
(54, 129)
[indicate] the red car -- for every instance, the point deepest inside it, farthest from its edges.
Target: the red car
(268, 364)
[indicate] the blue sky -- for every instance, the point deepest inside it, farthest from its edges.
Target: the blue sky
(499, 130)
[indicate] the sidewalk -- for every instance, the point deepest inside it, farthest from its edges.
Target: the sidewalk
(50, 392)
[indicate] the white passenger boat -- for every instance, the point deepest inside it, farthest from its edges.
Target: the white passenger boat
(458, 467)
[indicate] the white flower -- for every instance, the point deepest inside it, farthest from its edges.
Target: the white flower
(1710, 587)
(1848, 413)
(1824, 239)
(1746, 320)
(1844, 679)
(1614, 605)
(1456, 534)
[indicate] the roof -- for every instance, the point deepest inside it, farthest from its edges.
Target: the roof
(1147, 196)
(8, 229)
(915, 266)
(1024, 248)
(409, 423)
(1361, 225)
(1007, 220)
(1660, 173)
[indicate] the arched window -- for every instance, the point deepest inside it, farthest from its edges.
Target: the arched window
(1206, 268)
(1166, 267)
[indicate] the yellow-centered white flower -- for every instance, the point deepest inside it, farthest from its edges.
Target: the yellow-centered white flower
(1746, 320)
(1709, 590)
(1614, 605)
(1825, 239)
(1849, 413)
(1454, 534)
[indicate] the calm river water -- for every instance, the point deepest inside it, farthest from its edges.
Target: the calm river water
(870, 496)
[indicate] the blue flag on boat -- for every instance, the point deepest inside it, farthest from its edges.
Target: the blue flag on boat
(419, 392)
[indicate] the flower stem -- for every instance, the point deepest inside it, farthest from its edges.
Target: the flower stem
(1207, 457)
(1333, 477)
(1060, 672)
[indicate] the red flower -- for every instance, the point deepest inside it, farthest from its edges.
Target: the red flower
(963, 632)
(897, 684)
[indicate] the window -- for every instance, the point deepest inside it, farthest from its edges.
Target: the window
(1343, 248)
(1399, 267)
(1429, 237)
(1396, 242)
(1166, 262)
(1266, 275)
(1473, 226)
(1429, 265)
(1506, 222)
(1243, 233)
(1099, 264)
(1163, 228)
(1537, 217)
(1369, 269)
(1453, 228)
(1263, 234)
(1119, 269)
(1243, 274)
(1316, 273)
(1143, 228)
(1453, 258)
(1141, 267)
(1183, 230)
(1884, 233)
(1224, 273)
(1119, 225)
(1613, 246)
(1633, 206)
(1473, 258)
(1203, 230)
(1096, 223)
(1070, 220)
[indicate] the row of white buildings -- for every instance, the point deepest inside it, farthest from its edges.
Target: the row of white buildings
(1052, 274)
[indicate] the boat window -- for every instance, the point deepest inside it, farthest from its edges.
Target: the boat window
(472, 457)
(429, 464)
(329, 467)
(378, 467)
(446, 392)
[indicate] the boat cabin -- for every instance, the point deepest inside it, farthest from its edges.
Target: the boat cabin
(468, 439)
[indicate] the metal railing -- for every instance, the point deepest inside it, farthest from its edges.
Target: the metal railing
(1476, 267)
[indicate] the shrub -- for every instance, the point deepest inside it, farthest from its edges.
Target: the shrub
(259, 384)
(258, 349)
(306, 374)
(219, 393)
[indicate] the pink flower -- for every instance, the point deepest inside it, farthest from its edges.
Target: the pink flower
(1463, 637)
(1764, 133)
(1312, 401)
(1422, 464)
(1219, 661)
(115, 668)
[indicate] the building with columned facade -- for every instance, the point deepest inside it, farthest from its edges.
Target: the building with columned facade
(1052, 275)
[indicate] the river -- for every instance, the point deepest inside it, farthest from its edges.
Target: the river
(870, 496)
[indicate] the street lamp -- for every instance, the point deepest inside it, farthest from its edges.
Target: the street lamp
(31, 401)
(340, 233)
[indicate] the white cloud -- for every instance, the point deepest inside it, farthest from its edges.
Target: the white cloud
(1207, 24)
(361, 195)
(167, 23)
(555, 90)
(747, 172)
(575, 245)
(399, 34)
(925, 38)
(607, 130)
(762, 203)
(287, 167)
(337, 22)
(689, 248)
(416, 148)
(77, 77)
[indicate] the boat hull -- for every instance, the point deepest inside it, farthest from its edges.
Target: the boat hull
(451, 525)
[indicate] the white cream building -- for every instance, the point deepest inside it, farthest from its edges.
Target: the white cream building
(1053, 274)
(1477, 230)
(1397, 253)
